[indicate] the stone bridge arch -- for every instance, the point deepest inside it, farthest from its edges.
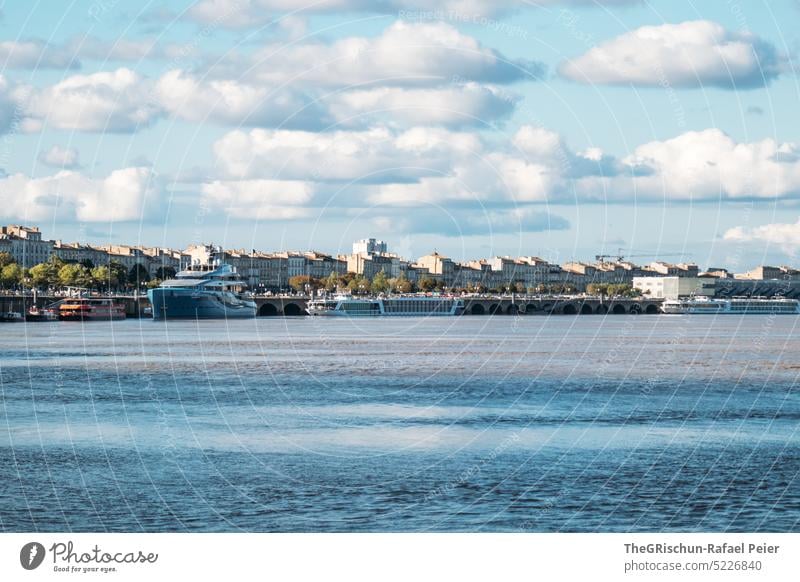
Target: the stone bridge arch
(267, 310)
(293, 309)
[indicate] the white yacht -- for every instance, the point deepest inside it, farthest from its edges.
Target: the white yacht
(740, 305)
(212, 291)
(409, 306)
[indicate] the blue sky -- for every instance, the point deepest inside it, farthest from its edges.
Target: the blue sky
(477, 128)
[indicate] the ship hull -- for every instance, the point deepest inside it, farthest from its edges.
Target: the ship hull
(732, 307)
(101, 316)
(388, 307)
(193, 304)
(334, 313)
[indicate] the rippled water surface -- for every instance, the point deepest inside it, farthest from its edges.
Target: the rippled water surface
(623, 423)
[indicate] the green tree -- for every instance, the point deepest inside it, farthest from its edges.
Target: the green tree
(624, 290)
(402, 285)
(598, 289)
(379, 283)
(359, 285)
(11, 275)
(118, 274)
(332, 281)
(101, 277)
(46, 274)
(74, 275)
(153, 283)
(138, 275)
(426, 284)
(6, 259)
(165, 273)
(300, 282)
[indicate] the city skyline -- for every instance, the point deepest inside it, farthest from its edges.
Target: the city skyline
(27, 247)
(488, 129)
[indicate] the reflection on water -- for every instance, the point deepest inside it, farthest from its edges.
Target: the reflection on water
(460, 424)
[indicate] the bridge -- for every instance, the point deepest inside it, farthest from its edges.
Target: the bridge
(290, 305)
(538, 305)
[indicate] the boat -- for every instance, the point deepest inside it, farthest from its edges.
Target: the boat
(90, 309)
(409, 306)
(10, 316)
(734, 305)
(36, 314)
(202, 291)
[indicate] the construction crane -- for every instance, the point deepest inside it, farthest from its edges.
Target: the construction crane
(619, 257)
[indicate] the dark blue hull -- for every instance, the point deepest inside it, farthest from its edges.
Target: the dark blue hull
(192, 304)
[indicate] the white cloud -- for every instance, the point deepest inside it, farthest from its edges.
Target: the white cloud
(469, 104)
(410, 74)
(690, 54)
(117, 101)
(435, 167)
(69, 195)
(422, 166)
(58, 157)
(711, 165)
(374, 155)
(404, 54)
(787, 236)
(231, 102)
(261, 199)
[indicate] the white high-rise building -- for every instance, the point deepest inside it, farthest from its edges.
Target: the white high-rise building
(369, 246)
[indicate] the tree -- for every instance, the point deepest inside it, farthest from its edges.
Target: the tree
(401, 284)
(379, 283)
(74, 275)
(87, 263)
(426, 284)
(46, 274)
(598, 289)
(332, 281)
(101, 276)
(165, 273)
(623, 290)
(6, 259)
(404, 285)
(11, 275)
(138, 275)
(153, 283)
(359, 285)
(118, 274)
(300, 283)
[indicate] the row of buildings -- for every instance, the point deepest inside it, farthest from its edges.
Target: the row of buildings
(265, 271)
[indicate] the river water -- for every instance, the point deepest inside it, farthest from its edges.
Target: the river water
(588, 423)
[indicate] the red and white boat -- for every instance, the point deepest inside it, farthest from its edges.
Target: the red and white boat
(89, 309)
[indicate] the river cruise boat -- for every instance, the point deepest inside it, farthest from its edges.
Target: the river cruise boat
(90, 309)
(408, 306)
(202, 291)
(740, 305)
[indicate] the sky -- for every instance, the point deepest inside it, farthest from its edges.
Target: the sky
(661, 129)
